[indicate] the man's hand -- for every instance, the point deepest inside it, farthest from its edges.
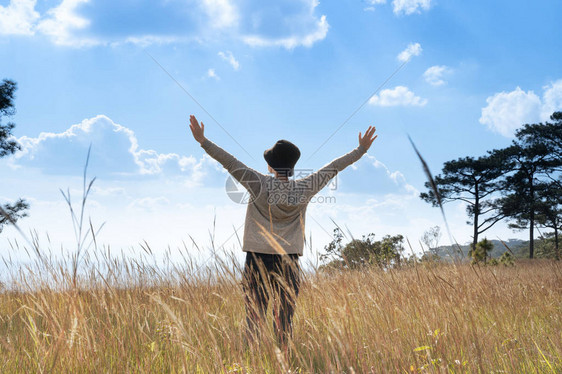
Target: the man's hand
(197, 131)
(368, 139)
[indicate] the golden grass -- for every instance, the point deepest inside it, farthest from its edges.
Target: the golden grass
(137, 319)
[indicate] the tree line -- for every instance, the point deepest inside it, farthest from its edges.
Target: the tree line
(9, 212)
(521, 183)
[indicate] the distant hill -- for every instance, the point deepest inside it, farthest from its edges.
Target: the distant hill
(518, 247)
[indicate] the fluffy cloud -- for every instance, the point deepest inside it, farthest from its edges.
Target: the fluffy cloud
(295, 40)
(229, 57)
(413, 49)
(287, 24)
(552, 99)
(401, 7)
(507, 111)
(410, 6)
(398, 96)
(63, 21)
(18, 18)
(222, 13)
(434, 75)
(80, 23)
(115, 152)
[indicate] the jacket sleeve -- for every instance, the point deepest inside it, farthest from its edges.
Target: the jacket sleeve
(246, 176)
(314, 182)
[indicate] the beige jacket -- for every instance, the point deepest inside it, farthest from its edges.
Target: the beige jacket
(275, 215)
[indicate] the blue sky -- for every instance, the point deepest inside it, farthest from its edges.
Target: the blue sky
(294, 69)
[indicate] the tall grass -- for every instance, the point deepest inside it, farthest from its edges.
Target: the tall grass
(91, 310)
(123, 315)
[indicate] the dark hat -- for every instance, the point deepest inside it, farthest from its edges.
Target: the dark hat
(282, 156)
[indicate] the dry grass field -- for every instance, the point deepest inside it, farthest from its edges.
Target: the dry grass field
(128, 317)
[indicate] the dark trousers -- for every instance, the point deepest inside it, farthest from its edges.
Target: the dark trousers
(275, 277)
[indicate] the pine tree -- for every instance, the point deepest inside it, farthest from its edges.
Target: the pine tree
(9, 213)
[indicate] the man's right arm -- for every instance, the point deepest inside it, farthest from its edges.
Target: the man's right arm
(246, 176)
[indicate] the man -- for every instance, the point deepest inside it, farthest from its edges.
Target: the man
(274, 225)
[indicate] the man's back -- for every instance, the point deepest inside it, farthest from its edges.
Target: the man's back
(275, 216)
(274, 226)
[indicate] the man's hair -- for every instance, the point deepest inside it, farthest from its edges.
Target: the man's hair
(282, 157)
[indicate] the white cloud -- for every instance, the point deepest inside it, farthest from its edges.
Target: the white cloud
(146, 40)
(222, 13)
(410, 6)
(83, 23)
(434, 75)
(115, 153)
(212, 74)
(229, 57)
(140, 193)
(552, 99)
(507, 111)
(306, 40)
(63, 21)
(396, 176)
(398, 96)
(371, 7)
(18, 18)
(413, 49)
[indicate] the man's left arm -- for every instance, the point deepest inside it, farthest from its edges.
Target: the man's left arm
(316, 181)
